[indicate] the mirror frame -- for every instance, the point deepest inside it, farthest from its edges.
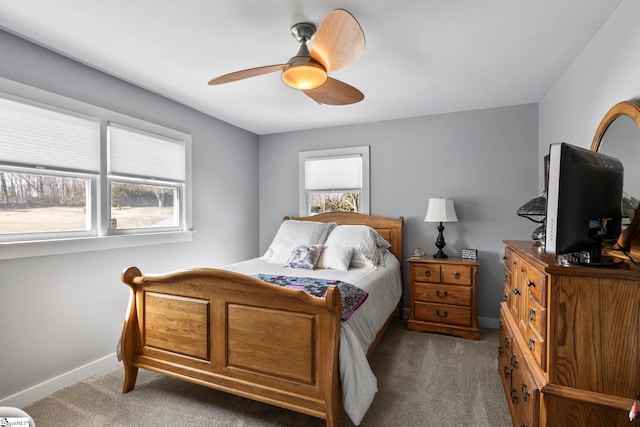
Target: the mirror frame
(630, 237)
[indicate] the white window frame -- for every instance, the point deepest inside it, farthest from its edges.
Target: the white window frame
(100, 237)
(303, 195)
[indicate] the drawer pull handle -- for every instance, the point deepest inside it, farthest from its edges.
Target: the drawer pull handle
(525, 393)
(506, 372)
(514, 396)
(531, 343)
(506, 342)
(504, 257)
(532, 314)
(500, 351)
(505, 297)
(516, 291)
(456, 275)
(440, 314)
(514, 360)
(531, 283)
(427, 273)
(441, 295)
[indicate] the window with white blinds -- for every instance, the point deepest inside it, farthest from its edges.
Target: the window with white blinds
(334, 180)
(78, 170)
(151, 190)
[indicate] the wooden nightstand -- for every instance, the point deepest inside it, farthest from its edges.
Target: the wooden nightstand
(442, 296)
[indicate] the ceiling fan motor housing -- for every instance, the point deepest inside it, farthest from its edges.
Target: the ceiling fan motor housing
(303, 31)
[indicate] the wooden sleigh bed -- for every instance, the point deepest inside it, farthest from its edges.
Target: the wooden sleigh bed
(231, 332)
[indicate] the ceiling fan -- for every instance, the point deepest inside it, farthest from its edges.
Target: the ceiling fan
(338, 42)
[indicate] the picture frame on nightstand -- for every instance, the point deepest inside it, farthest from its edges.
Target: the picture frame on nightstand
(470, 254)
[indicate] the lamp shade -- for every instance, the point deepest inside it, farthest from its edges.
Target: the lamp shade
(441, 210)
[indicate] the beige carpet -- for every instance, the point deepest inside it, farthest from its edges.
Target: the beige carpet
(423, 380)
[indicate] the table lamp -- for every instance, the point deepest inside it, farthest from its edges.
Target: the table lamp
(441, 210)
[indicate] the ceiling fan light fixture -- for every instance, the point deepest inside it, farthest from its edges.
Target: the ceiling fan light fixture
(305, 76)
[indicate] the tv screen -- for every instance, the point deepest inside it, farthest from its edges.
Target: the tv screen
(584, 202)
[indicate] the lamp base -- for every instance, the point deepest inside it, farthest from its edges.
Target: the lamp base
(440, 254)
(440, 243)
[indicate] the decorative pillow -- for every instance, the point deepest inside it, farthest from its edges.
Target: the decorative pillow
(294, 233)
(281, 254)
(365, 241)
(304, 256)
(336, 257)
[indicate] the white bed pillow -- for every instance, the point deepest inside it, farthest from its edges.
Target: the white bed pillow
(295, 233)
(281, 254)
(336, 257)
(367, 243)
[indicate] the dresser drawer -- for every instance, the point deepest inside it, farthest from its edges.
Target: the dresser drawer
(508, 256)
(426, 273)
(443, 294)
(537, 317)
(537, 285)
(504, 352)
(537, 346)
(525, 396)
(442, 313)
(456, 274)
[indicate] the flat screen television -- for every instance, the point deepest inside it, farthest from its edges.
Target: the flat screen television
(584, 203)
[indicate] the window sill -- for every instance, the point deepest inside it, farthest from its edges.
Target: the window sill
(13, 250)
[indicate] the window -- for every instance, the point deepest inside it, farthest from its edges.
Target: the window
(144, 196)
(72, 170)
(334, 180)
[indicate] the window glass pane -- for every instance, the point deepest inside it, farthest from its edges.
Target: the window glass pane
(334, 201)
(32, 203)
(143, 206)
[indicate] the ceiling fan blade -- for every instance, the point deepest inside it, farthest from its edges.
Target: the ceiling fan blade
(339, 40)
(244, 74)
(335, 92)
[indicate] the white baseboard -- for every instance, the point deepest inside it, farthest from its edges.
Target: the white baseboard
(44, 389)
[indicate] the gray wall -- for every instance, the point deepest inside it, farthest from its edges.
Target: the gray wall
(62, 312)
(606, 72)
(485, 160)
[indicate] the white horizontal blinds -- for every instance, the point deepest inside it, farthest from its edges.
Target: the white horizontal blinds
(137, 153)
(333, 173)
(38, 136)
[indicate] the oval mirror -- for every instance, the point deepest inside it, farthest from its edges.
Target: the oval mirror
(618, 135)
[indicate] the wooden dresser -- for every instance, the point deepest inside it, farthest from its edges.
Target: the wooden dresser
(442, 295)
(569, 352)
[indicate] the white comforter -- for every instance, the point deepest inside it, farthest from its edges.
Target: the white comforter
(359, 385)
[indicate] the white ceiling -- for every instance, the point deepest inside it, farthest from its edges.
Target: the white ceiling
(422, 57)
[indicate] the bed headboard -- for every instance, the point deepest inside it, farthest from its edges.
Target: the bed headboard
(390, 229)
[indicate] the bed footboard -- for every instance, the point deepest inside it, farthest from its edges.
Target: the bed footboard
(236, 334)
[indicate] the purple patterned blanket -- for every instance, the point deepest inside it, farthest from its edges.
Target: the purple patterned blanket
(351, 296)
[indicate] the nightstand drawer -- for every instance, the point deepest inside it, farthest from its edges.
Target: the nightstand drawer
(443, 294)
(456, 275)
(442, 313)
(427, 273)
